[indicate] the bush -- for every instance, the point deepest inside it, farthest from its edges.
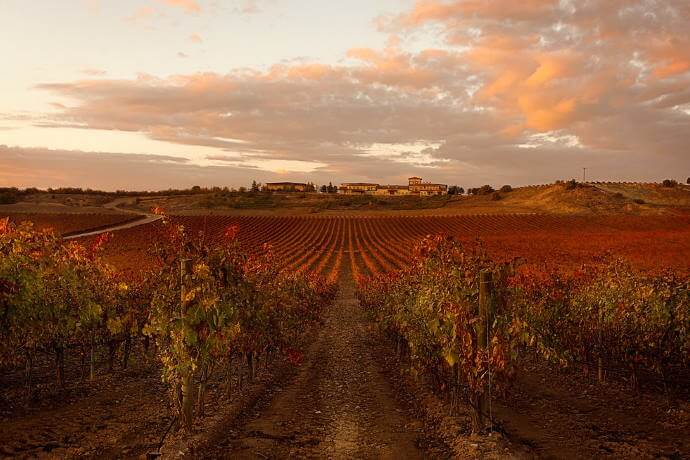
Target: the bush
(496, 196)
(483, 190)
(638, 201)
(8, 198)
(571, 184)
(506, 189)
(670, 183)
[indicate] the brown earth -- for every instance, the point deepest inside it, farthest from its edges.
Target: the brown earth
(347, 399)
(339, 405)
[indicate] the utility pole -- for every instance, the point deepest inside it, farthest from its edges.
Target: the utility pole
(584, 174)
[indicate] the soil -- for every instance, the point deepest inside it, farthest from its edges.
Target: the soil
(566, 414)
(339, 405)
(347, 399)
(119, 415)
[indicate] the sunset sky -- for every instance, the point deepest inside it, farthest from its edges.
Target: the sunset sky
(154, 94)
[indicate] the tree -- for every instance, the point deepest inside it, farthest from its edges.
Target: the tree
(255, 187)
(483, 190)
(332, 188)
(669, 183)
(242, 189)
(310, 187)
(506, 189)
(455, 190)
(324, 189)
(688, 181)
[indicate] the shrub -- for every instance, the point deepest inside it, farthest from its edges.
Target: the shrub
(8, 198)
(485, 190)
(670, 183)
(638, 201)
(571, 184)
(496, 196)
(506, 189)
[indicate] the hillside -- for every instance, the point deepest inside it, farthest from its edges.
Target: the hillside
(589, 198)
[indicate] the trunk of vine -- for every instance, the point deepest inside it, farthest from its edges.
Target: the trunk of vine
(112, 351)
(187, 409)
(28, 372)
(202, 391)
(476, 414)
(92, 365)
(486, 313)
(146, 344)
(634, 379)
(82, 362)
(60, 365)
(228, 379)
(125, 351)
(455, 389)
(600, 346)
(250, 365)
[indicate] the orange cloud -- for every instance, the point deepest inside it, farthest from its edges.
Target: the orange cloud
(190, 6)
(603, 75)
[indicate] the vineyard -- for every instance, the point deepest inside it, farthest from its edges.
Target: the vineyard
(466, 305)
(67, 224)
(379, 244)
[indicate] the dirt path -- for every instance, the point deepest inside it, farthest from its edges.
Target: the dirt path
(135, 223)
(115, 204)
(339, 405)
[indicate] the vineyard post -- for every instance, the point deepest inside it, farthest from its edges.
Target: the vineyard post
(92, 357)
(600, 364)
(486, 312)
(187, 409)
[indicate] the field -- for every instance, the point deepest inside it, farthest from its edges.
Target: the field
(348, 389)
(379, 244)
(69, 224)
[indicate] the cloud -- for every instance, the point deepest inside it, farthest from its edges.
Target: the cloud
(249, 7)
(92, 72)
(190, 6)
(558, 83)
(195, 38)
(40, 167)
(142, 14)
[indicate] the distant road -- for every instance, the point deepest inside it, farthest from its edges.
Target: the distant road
(115, 204)
(146, 220)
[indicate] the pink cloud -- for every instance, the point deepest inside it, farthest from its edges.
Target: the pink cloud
(190, 6)
(93, 72)
(611, 75)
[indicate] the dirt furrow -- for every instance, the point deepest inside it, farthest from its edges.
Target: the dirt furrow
(339, 404)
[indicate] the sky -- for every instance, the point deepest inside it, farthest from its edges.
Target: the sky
(157, 94)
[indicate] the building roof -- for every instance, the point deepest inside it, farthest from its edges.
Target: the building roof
(414, 177)
(424, 184)
(286, 183)
(399, 187)
(358, 183)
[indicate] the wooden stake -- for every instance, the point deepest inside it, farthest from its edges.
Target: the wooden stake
(187, 412)
(486, 314)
